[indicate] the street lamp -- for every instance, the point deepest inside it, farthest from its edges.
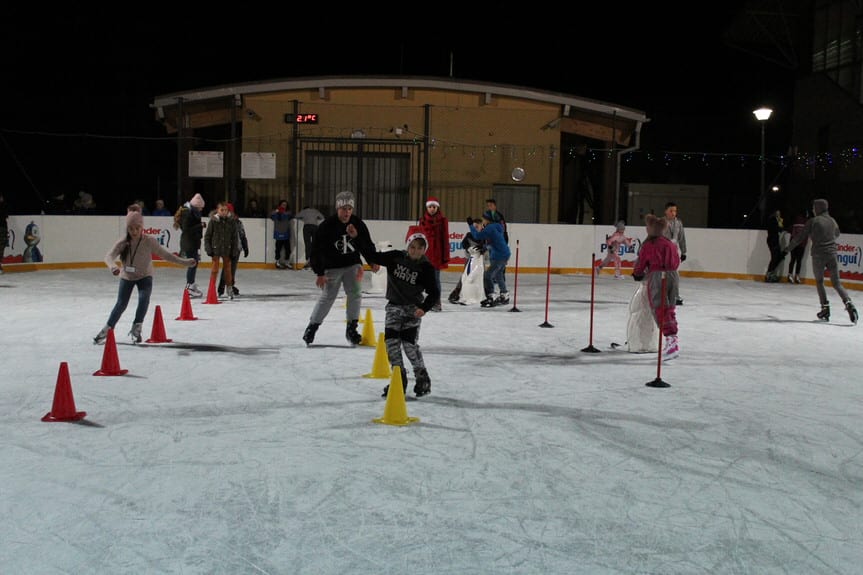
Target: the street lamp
(762, 115)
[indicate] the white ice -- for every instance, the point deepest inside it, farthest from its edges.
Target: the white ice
(238, 450)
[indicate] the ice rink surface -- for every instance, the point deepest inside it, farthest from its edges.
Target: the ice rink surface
(235, 449)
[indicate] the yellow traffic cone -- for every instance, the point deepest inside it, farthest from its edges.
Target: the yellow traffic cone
(368, 330)
(381, 367)
(396, 409)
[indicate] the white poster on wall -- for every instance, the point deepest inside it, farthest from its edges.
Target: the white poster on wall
(255, 165)
(206, 164)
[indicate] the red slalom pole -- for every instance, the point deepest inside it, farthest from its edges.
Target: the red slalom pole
(547, 286)
(658, 381)
(590, 348)
(515, 286)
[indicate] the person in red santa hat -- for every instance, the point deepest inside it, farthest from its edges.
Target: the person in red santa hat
(435, 226)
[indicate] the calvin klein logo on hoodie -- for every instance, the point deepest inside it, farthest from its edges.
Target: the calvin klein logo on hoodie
(344, 245)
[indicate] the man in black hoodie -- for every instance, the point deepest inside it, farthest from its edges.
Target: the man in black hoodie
(335, 259)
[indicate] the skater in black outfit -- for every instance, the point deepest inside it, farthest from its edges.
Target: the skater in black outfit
(410, 274)
(336, 262)
(774, 228)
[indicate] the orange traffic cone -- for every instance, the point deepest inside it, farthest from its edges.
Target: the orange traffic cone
(396, 409)
(212, 296)
(186, 309)
(157, 334)
(110, 360)
(381, 366)
(63, 408)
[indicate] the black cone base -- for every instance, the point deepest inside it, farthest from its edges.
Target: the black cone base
(657, 383)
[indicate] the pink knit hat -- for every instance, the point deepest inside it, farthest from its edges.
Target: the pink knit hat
(197, 202)
(134, 217)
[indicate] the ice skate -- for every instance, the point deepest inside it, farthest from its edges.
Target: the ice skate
(193, 290)
(351, 333)
(489, 301)
(101, 336)
(309, 334)
(455, 294)
(423, 382)
(852, 311)
(502, 299)
(672, 348)
(824, 314)
(135, 333)
(404, 382)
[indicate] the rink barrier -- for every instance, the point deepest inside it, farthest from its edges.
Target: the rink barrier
(74, 242)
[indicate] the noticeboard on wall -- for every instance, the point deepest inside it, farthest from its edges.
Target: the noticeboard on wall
(257, 165)
(206, 164)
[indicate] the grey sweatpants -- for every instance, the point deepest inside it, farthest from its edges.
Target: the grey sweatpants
(336, 278)
(827, 262)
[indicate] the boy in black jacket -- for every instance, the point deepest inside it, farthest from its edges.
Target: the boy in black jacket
(409, 275)
(336, 262)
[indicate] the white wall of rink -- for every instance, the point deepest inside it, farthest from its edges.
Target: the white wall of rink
(74, 241)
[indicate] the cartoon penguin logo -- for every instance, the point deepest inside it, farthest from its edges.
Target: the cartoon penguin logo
(32, 239)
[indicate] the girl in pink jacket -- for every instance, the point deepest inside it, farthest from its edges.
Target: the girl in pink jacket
(659, 256)
(612, 252)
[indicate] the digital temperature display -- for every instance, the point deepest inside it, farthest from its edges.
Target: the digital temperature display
(301, 118)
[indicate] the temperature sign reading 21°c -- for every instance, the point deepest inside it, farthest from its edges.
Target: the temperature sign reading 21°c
(301, 118)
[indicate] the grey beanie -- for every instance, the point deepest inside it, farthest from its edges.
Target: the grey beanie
(819, 206)
(344, 199)
(620, 225)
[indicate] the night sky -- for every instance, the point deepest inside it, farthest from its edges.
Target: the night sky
(78, 81)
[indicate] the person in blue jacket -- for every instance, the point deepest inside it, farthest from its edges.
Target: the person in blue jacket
(282, 217)
(499, 254)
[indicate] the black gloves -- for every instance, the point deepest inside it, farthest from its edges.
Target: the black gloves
(637, 277)
(683, 258)
(209, 253)
(246, 252)
(470, 221)
(245, 244)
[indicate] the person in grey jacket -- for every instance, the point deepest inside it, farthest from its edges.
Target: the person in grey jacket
(675, 233)
(311, 219)
(823, 230)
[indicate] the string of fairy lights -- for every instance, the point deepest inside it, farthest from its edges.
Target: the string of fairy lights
(821, 161)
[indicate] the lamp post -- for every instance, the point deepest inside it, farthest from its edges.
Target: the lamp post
(762, 115)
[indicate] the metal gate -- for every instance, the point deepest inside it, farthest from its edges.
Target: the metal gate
(378, 172)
